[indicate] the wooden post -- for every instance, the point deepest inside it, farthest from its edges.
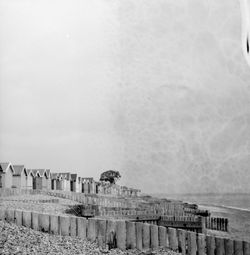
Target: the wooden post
(101, 233)
(81, 227)
(181, 234)
(201, 244)
(192, 244)
(121, 235)
(111, 234)
(138, 227)
(220, 247)
(210, 245)
(131, 235)
(64, 225)
(73, 226)
(34, 220)
(91, 230)
(43, 222)
(229, 247)
(18, 217)
(238, 247)
(145, 236)
(27, 219)
(173, 241)
(154, 237)
(54, 224)
(246, 248)
(162, 236)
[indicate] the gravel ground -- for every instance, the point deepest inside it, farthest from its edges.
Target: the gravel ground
(20, 240)
(31, 203)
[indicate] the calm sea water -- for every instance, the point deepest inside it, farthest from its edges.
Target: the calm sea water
(233, 201)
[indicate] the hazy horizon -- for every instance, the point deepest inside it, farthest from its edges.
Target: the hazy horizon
(158, 90)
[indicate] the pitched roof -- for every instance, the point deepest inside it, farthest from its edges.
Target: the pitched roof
(19, 169)
(4, 167)
(29, 172)
(73, 177)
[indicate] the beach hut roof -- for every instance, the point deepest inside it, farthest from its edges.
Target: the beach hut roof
(73, 177)
(5, 166)
(19, 169)
(29, 172)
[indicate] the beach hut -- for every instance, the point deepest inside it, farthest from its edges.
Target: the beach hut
(40, 179)
(29, 179)
(47, 175)
(53, 177)
(65, 181)
(6, 175)
(20, 177)
(75, 183)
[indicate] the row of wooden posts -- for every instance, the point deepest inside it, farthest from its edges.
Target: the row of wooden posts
(126, 234)
(220, 224)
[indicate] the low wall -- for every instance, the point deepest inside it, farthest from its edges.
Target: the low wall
(126, 234)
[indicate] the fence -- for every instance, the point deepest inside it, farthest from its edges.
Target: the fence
(127, 235)
(220, 224)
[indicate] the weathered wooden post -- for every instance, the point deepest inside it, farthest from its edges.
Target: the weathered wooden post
(154, 236)
(146, 236)
(138, 227)
(229, 247)
(192, 244)
(121, 235)
(210, 245)
(131, 235)
(220, 247)
(162, 236)
(173, 241)
(238, 247)
(201, 244)
(181, 234)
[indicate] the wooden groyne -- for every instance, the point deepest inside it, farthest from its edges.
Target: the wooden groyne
(126, 234)
(220, 224)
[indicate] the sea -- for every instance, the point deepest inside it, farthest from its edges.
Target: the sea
(235, 207)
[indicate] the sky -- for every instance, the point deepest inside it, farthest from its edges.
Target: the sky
(158, 90)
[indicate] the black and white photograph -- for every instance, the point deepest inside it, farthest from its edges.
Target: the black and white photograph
(125, 127)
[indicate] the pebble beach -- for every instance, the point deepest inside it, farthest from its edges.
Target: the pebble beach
(21, 240)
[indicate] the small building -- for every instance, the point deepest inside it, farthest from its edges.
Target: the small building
(88, 185)
(29, 179)
(66, 177)
(48, 178)
(40, 179)
(54, 177)
(6, 175)
(75, 183)
(20, 177)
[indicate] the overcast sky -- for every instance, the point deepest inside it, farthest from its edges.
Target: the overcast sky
(158, 90)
